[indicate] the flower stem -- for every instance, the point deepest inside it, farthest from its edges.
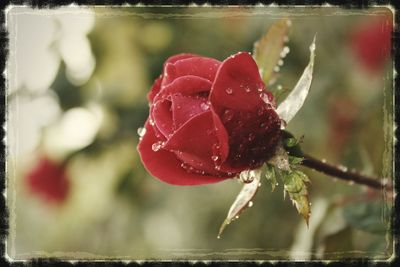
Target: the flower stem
(344, 174)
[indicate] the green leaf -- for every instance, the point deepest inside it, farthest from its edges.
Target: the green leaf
(268, 49)
(295, 160)
(243, 199)
(270, 175)
(367, 216)
(295, 100)
(290, 142)
(295, 150)
(294, 185)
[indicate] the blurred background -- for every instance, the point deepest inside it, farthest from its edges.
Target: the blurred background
(76, 96)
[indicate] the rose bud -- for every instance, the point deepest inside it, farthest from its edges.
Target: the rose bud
(208, 121)
(48, 180)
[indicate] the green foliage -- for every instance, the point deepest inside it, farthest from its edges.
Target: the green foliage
(267, 50)
(367, 216)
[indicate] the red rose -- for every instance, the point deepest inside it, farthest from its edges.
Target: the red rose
(209, 120)
(49, 181)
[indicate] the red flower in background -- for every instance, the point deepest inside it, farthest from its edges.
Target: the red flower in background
(371, 42)
(49, 181)
(209, 120)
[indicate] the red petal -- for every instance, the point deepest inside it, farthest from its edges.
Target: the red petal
(162, 116)
(155, 89)
(237, 84)
(197, 66)
(175, 58)
(165, 166)
(186, 85)
(251, 122)
(194, 142)
(186, 107)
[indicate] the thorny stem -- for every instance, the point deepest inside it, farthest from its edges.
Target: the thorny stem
(344, 174)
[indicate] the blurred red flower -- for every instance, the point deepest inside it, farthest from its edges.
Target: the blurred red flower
(371, 42)
(49, 181)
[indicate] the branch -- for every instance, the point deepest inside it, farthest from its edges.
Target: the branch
(344, 174)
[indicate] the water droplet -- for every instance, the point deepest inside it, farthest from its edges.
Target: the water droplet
(279, 87)
(151, 122)
(218, 167)
(286, 39)
(265, 98)
(219, 237)
(247, 89)
(285, 51)
(310, 203)
(259, 184)
(250, 204)
(277, 69)
(260, 89)
(204, 106)
(229, 90)
(237, 217)
(280, 62)
(228, 115)
(277, 184)
(323, 160)
(251, 137)
(283, 124)
(157, 146)
(342, 168)
(141, 131)
(178, 107)
(214, 158)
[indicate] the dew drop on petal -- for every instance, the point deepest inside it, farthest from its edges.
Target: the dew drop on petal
(228, 115)
(229, 90)
(247, 89)
(204, 106)
(141, 131)
(251, 136)
(214, 158)
(157, 146)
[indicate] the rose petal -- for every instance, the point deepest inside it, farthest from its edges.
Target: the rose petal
(194, 142)
(237, 84)
(197, 66)
(239, 99)
(155, 89)
(162, 116)
(186, 85)
(175, 58)
(186, 107)
(165, 166)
